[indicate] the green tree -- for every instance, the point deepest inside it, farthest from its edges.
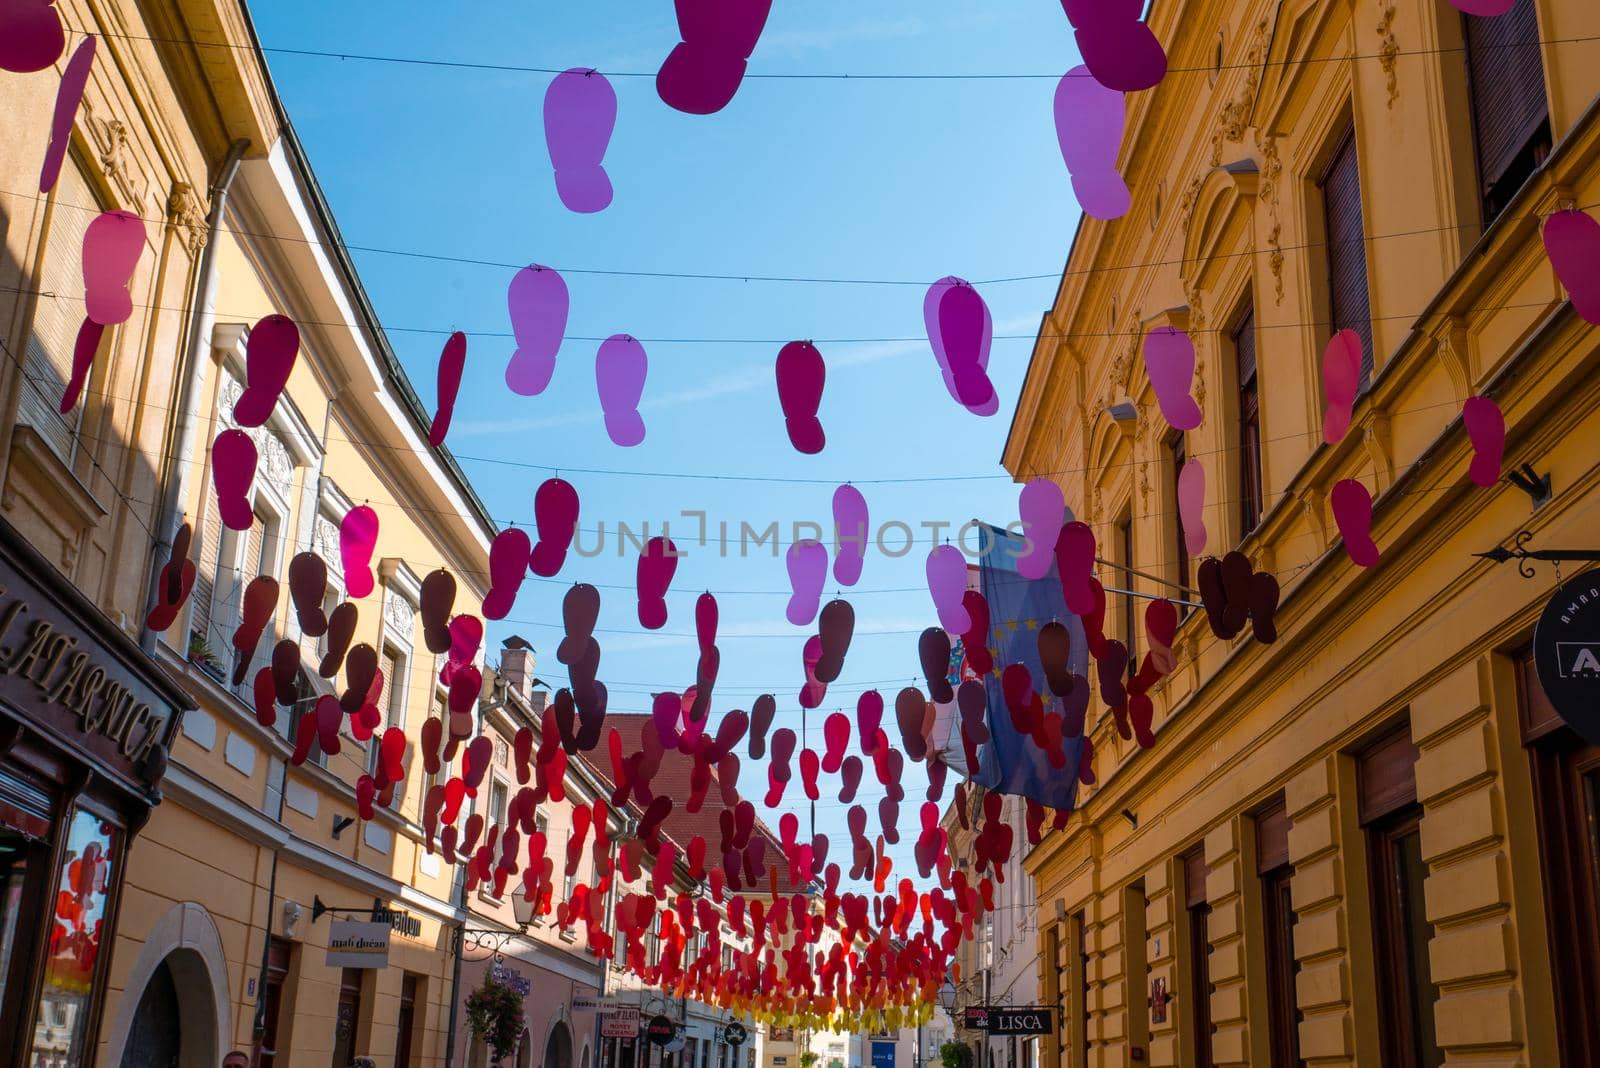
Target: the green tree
(955, 1055)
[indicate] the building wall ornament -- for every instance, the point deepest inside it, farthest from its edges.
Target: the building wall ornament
(276, 465)
(325, 542)
(397, 611)
(1271, 172)
(110, 137)
(1388, 53)
(1238, 112)
(185, 213)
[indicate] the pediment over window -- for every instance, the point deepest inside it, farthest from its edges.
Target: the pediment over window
(1301, 25)
(1224, 204)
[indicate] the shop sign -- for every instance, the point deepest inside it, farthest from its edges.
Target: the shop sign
(734, 1034)
(594, 1003)
(1566, 652)
(510, 978)
(975, 1019)
(623, 1022)
(1025, 1020)
(883, 1055)
(54, 667)
(780, 1034)
(358, 944)
(661, 1030)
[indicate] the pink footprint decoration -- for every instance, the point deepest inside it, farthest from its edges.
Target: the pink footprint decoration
(1116, 46)
(1352, 511)
(1192, 506)
(815, 689)
(1042, 508)
(555, 513)
(1089, 122)
(69, 94)
(31, 35)
(976, 637)
(233, 469)
(657, 564)
(869, 714)
(358, 540)
(836, 732)
(1341, 381)
(1075, 565)
(1169, 360)
(705, 622)
(111, 248)
(1572, 241)
(849, 534)
(1483, 8)
(968, 332)
(931, 303)
(508, 566)
(619, 370)
(84, 351)
(580, 112)
(947, 583)
(269, 357)
(538, 303)
(703, 72)
(807, 562)
(801, 375)
(1486, 428)
(452, 362)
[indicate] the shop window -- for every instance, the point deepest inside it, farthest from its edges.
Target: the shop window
(61, 1027)
(58, 314)
(1401, 932)
(1510, 115)
(1249, 427)
(1349, 302)
(1199, 916)
(1275, 872)
(1566, 788)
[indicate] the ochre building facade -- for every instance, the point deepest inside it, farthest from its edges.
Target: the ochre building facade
(1368, 842)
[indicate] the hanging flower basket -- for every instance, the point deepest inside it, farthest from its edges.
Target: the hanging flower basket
(494, 1015)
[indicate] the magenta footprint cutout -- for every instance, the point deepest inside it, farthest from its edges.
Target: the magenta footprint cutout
(580, 113)
(849, 534)
(657, 564)
(538, 302)
(555, 513)
(508, 566)
(358, 540)
(233, 469)
(1169, 361)
(111, 248)
(1486, 429)
(807, 562)
(932, 302)
(1089, 124)
(1341, 382)
(31, 35)
(947, 584)
(452, 362)
(84, 350)
(69, 94)
(269, 356)
(1116, 45)
(1042, 508)
(812, 693)
(1075, 567)
(620, 368)
(702, 73)
(801, 375)
(967, 330)
(1572, 241)
(1192, 506)
(1352, 511)
(1483, 8)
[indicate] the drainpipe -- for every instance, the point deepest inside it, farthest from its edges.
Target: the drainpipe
(202, 322)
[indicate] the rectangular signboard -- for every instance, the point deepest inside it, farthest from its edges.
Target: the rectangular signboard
(623, 1022)
(1010, 1020)
(358, 944)
(883, 1055)
(594, 1003)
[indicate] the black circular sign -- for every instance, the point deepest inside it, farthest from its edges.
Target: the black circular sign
(660, 1030)
(734, 1034)
(1566, 651)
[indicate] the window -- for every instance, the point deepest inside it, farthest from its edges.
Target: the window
(1178, 456)
(1135, 963)
(1566, 789)
(1199, 913)
(1078, 987)
(347, 1017)
(1130, 619)
(58, 313)
(1401, 931)
(1275, 871)
(1349, 303)
(1250, 485)
(1510, 116)
(391, 701)
(499, 792)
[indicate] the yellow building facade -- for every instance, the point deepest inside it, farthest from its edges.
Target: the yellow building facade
(213, 940)
(1361, 844)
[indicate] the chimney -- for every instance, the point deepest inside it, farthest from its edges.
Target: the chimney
(517, 659)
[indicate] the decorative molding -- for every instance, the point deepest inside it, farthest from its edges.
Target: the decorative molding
(399, 613)
(185, 213)
(110, 140)
(1237, 113)
(1267, 190)
(1388, 53)
(325, 543)
(277, 466)
(1378, 440)
(1450, 345)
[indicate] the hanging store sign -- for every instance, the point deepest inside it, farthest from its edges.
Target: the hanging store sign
(734, 1034)
(1566, 652)
(1007, 1020)
(358, 944)
(594, 1003)
(975, 1019)
(621, 1023)
(660, 1030)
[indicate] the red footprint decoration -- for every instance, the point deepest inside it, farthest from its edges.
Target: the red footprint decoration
(555, 512)
(1352, 511)
(84, 350)
(703, 71)
(233, 469)
(360, 670)
(761, 714)
(358, 540)
(452, 364)
(173, 584)
(438, 600)
(341, 631)
(1572, 241)
(869, 714)
(285, 670)
(801, 375)
(910, 708)
(657, 564)
(1075, 550)
(260, 598)
(265, 691)
(836, 732)
(508, 566)
(933, 648)
(1486, 429)
(31, 35)
(308, 588)
(975, 641)
(1341, 383)
(270, 353)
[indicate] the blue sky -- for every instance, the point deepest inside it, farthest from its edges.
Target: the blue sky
(909, 180)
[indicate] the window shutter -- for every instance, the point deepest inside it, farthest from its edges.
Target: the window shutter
(205, 577)
(1349, 302)
(1505, 72)
(1250, 482)
(1244, 344)
(58, 313)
